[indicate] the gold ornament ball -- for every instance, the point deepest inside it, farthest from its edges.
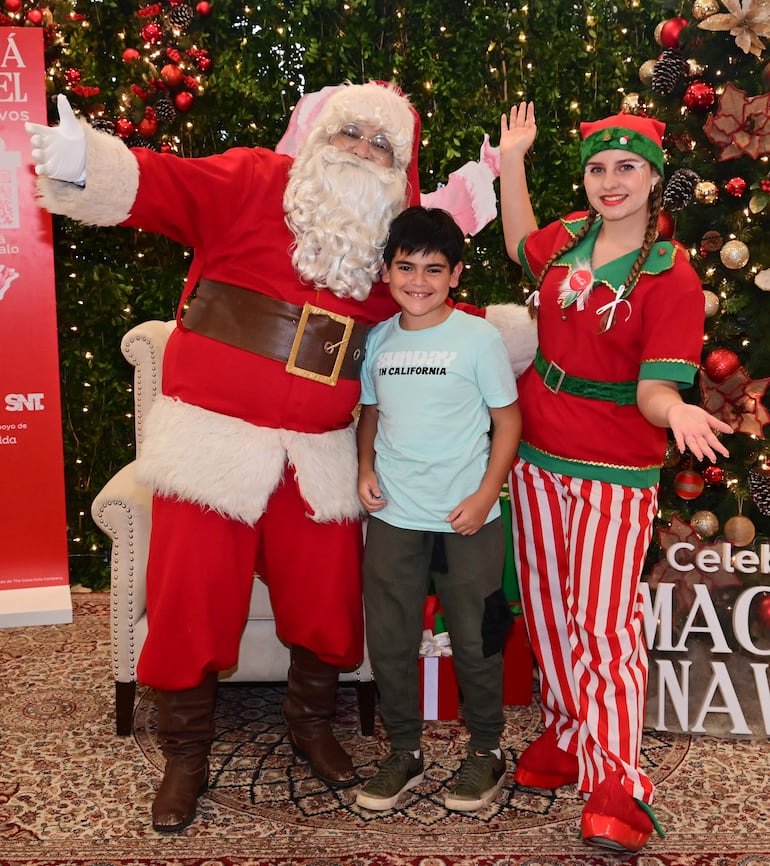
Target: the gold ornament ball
(735, 255)
(740, 531)
(762, 280)
(706, 192)
(646, 71)
(705, 523)
(711, 301)
(633, 104)
(702, 9)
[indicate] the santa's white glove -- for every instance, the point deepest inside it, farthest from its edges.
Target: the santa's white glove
(59, 152)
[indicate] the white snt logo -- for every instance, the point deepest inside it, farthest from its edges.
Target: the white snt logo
(24, 402)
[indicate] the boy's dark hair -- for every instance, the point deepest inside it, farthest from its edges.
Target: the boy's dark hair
(425, 230)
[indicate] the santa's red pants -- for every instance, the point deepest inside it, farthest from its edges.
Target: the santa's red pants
(580, 548)
(199, 582)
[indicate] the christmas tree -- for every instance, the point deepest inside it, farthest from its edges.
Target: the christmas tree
(195, 77)
(709, 84)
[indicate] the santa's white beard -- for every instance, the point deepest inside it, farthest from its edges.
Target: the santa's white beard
(339, 208)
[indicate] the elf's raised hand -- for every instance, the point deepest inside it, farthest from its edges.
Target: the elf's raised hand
(517, 132)
(59, 152)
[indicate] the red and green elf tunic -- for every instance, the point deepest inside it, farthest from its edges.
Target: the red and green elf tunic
(657, 334)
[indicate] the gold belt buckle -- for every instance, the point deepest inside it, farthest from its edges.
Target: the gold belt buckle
(560, 374)
(309, 310)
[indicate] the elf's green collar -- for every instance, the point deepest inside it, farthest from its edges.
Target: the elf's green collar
(614, 273)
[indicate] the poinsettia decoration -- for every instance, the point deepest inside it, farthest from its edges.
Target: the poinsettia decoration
(747, 21)
(684, 581)
(741, 125)
(737, 400)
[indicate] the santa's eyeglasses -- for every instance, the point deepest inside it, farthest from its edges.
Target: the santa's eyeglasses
(350, 135)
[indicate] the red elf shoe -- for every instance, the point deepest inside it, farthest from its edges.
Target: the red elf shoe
(615, 820)
(544, 765)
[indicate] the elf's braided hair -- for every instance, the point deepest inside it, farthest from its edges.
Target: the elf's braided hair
(650, 236)
(655, 202)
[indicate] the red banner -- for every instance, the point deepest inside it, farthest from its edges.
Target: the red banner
(34, 580)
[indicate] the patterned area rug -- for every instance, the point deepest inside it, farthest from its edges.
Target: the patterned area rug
(72, 792)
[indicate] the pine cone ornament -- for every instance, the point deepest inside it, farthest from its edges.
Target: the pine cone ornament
(759, 487)
(164, 110)
(669, 68)
(137, 140)
(103, 124)
(180, 17)
(680, 190)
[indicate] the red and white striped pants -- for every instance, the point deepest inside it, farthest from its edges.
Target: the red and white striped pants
(580, 548)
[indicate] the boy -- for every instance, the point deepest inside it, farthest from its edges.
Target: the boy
(433, 383)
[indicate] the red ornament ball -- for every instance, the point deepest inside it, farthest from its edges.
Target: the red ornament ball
(148, 127)
(700, 96)
(688, 484)
(713, 474)
(72, 77)
(35, 16)
(124, 128)
(762, 610)
(203, 8)
(172, 75)
(130, 55)
(665, 225)
(667, 33)
(152, 32)
(13, 5)
(736, 186)
(183, 101)
(721, 364)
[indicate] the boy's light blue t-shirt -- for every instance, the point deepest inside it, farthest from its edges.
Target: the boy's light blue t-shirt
(432, 388)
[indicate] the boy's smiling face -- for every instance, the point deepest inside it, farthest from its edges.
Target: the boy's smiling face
(420, 283)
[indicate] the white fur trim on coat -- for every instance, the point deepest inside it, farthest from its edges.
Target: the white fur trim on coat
(519, 332)
(112, 180)
(232, 467)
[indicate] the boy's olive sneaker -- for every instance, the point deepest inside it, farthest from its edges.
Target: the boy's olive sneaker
(481, 777)
(398, 772)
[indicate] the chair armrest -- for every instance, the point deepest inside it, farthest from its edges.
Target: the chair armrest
(143, 347)
(123, 511)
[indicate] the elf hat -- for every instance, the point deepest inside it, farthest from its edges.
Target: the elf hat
(640, 135)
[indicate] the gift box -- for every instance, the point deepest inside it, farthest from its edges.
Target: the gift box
(518, 666)
(439, 692)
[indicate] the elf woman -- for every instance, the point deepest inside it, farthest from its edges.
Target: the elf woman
(620, 326)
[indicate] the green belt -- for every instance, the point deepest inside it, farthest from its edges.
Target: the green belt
(555, 379)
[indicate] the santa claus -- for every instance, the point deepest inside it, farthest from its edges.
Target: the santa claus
(250, 449)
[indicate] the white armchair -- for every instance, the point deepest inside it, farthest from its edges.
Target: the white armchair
(123, 509)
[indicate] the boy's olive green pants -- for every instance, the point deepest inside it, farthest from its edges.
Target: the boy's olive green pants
(397, 575)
